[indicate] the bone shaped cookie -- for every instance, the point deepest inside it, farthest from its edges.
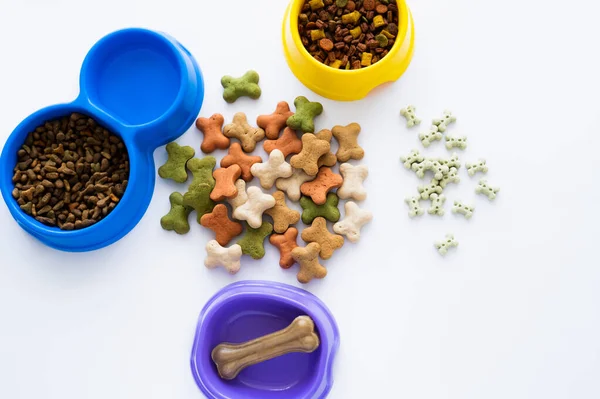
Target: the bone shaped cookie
(291, 185)
(450, 177)
(445, 245)
(409, 114)
(246, 134)
(484, 188)
(273, 123)
(443, 122)
(317, 189)
(435, 166)
(252, 210)
(308, 260)
(437, 204)
(241, 197)
(353, 222)
(228, 258)
(352, 187)
(412, 158)
(299, 336)
(275, 168)
(453, 141)
(313, 149)
(479, 166)
(428, 137)
(414, 205)
(347, 137)
(465, 210)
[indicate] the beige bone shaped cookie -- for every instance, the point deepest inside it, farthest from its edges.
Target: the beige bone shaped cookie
(299, 336)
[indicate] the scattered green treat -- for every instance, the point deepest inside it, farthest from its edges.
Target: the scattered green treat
(177, 218)
(444, 246)
(409, 112)
(485, 189)
(329, 210)
(453, 141)
(443, 122)
(412, 158)
(430, 136)
(433, 165)
(246, 86)
(479, 166)
(437, 204)
(453, 162)
(431, 188)
(198, 194)
(465, 210)
(174, 168)
(304, 118)
(252, 242)
(414, 205)
(450, 177)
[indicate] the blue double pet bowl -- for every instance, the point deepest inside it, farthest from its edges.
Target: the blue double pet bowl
(143, 86)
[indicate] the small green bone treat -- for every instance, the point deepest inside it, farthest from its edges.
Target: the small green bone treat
(455, 141)
(409, 114)
(444, 246)
(198, 194)
(431, 188)
(329, 210)
(450, 177)
(177, 218)
(430, 136)
(465, 210)
(246, 86)
(453, 162)
(252, 242)
(414, 205)
(485, 189)
(433, 165)
(304, 118)
(443, 122)
(479, 166)
(412, 158)
(174, 168)
(437, 204)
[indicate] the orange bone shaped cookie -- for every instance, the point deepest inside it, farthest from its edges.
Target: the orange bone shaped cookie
(288, 143)
(325, 182)
(238, 157)
(213, 136)
(286, 243)
(299, 336)
(308, 259)
(225, 183)
(272, 124)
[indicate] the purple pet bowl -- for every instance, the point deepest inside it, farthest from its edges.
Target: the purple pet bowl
(250, 309)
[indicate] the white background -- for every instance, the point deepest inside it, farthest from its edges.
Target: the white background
(513, 313)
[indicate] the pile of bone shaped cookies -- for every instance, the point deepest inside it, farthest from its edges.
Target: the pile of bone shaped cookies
(215, 194)
(444, 170)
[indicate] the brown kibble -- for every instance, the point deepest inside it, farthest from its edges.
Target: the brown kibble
(273, 123)
(318, 188)
(283, 217)
(288, 143)
(237, 156)
(381, 9)
(308, 259)
(213, 135)
(326, 44)
(246, 134)
(286, 243)
(225, 183)
(218, 221)
(46, 221)
(27, 194)
(369, 5)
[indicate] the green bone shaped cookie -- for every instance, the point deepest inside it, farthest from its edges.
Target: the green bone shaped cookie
(174, 168)
(198, 194)
(246, 86)
(304, 118)
(177, 218)
(329, 210)
(252, 242)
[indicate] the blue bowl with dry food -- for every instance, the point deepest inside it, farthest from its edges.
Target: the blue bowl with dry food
(246, 310)
(144, 87)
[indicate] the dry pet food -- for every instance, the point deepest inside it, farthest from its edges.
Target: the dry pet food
(437, 204)
(412, 158)
(274, 123)
(431, 188)
(319, 233)
(453, 162)
(433, 134)
(254, 207)
(238, 157)
(313, 149)
(252, 242)
(177, 218)
(219, 222)
(198, 194)
(306, 112)
(268, 172)
(439, 170)
(241, 197)
(450, 177)
(308, 259)
(445, 245)
(454, 141)
(479, 166)
(228, 258)
(348, 34)
(225, 179)
(317, 189)
(246, 134)
(288, 143)
(485, 189)
(414, 205)
(328, 159)
(299, 336)
(291, 185)
(465, 210)
(70, 173)
(283, 217)
(347, 137)
(352, 187)
(329, 210)
(174, 168)
(353, 222)
(409, 114)
(211, 128)
(285, 243)
(446, 119)
(246, 86)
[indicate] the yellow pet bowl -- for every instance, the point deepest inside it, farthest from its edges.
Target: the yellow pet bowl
(341, 84)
